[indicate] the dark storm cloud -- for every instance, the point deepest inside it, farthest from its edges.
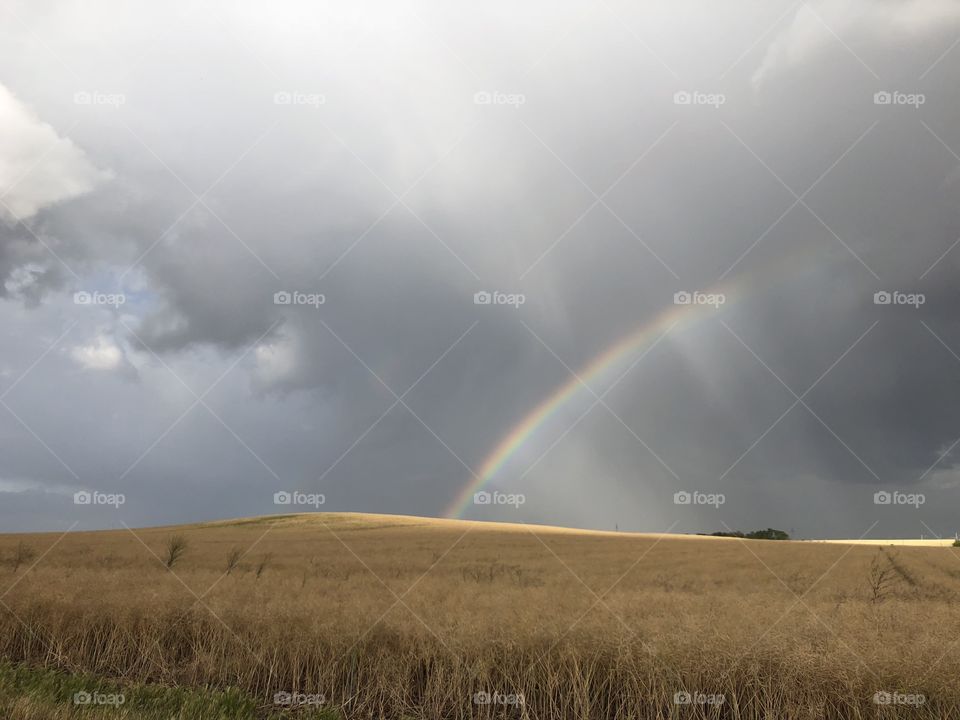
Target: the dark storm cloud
(344, 155)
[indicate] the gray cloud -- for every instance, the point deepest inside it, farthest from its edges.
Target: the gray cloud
(374, 179)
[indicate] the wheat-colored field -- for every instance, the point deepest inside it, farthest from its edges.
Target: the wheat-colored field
(398, 617)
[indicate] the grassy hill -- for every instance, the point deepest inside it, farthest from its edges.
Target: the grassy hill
(381, 616)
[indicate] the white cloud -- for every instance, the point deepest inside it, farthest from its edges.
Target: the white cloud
(20, 485)
(102, 354)
(276, 362)
(946, 478)
(810, 30)
(38, 167)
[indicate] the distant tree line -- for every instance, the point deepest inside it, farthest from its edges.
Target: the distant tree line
(768, 534)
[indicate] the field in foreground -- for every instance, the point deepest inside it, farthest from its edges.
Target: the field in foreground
(366, 616)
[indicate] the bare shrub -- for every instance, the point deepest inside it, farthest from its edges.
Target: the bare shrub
(264, 562)
(176, 547)
(882, 577)
(233, 559)
(23, 553)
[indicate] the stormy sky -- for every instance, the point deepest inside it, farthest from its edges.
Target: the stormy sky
(166, 169)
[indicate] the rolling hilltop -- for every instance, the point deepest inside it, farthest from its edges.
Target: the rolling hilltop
(396, 616)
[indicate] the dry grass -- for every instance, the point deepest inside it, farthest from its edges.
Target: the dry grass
(407, 617)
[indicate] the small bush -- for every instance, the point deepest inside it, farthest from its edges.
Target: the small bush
(264, 562)
(768, 534)
(233, 559)
(176, 547)
(23, 553)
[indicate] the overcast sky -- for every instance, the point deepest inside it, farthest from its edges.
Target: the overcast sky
(181, 165)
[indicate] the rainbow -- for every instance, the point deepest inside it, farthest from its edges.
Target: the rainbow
(634, 345)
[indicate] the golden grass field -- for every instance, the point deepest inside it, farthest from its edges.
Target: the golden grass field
(402, 617)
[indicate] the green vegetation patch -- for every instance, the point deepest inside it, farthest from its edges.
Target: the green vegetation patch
(46, 694)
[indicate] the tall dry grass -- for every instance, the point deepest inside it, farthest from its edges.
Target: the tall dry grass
(394, 618)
